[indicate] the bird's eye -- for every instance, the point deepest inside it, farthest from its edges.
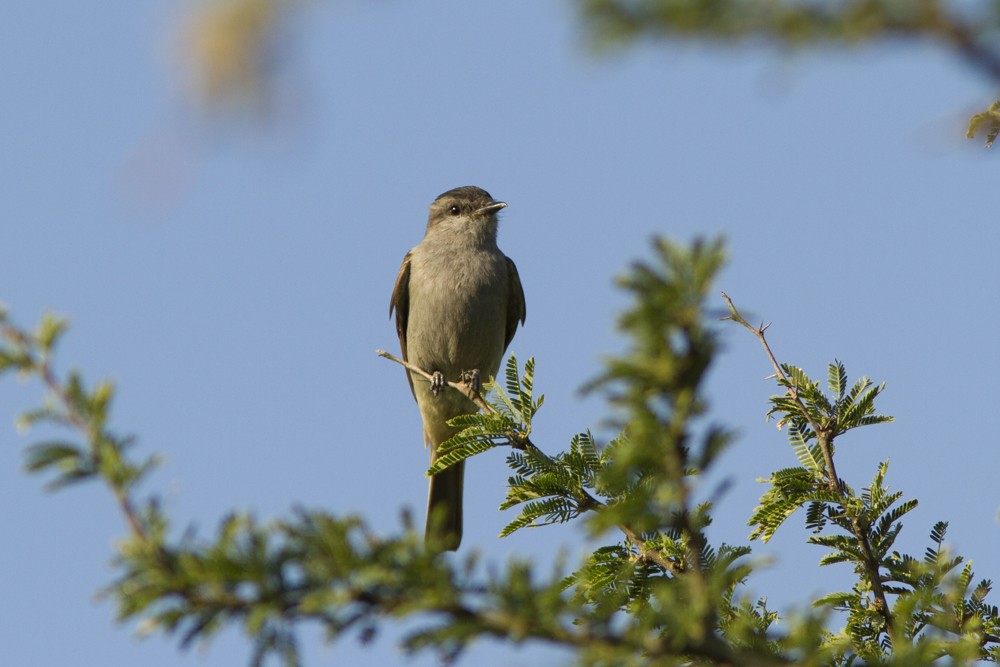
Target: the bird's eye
(454, 210)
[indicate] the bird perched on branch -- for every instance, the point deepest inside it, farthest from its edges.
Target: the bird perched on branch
(458, 300)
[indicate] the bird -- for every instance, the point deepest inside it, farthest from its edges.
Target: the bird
(458, 301)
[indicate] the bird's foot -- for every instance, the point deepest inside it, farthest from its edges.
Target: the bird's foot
(472, 380)
(437, 383)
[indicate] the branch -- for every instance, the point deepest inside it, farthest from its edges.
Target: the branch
(36, 355)
(464, 388)
(822, 437)
(648, 554)
(517, 440)
(793, 23)
(735, 316)
(962, 36)
(652, 647)
(833, 481)
(645, 552)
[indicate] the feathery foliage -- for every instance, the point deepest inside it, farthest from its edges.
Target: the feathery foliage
(655, 590)
(968, 29)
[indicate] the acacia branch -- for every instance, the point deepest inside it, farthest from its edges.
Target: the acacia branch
(822, 436)
(520, 442)
(824, 439)
(464, 388)
(36, 360)
(961, 35)
(649, 554)
(517, 440)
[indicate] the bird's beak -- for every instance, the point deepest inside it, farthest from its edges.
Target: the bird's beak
(489, 209)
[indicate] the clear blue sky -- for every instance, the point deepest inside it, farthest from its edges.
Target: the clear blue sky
(234, 280)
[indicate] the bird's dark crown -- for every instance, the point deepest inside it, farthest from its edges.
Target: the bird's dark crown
(463, 200)
(469, 193)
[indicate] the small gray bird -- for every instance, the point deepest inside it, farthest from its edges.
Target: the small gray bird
(458, 300)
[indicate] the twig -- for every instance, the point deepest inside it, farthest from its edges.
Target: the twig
(520, 442)
(962, 36)
(518, 439)
(43, 368)
(735, 316)
(465, 388)
(823, 439)
(649, 554)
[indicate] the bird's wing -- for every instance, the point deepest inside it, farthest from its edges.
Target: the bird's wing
(516, 311)
(400, 302)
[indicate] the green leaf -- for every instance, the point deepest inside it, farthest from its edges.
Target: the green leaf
(937, 537)
(841, 600)
(49, 330)
(512, 377)
(463, 449)
(72, 463)
(52, 453)
(837, 379)
(768, 517)
(986, 121)
(806, 456)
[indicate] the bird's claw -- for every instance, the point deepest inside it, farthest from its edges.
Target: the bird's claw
(437, 383)
(472, 380)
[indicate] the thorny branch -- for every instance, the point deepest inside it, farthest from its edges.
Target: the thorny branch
(645, 552)
(824, 438)
(42, 366)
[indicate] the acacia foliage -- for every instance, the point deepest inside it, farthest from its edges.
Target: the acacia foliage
(655, 591)
(967, 29)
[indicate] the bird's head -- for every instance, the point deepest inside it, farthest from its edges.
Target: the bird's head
(468, 213)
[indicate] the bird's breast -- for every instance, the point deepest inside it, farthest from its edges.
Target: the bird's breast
(457, 315)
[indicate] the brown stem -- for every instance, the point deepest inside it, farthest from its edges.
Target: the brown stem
(649, 554)
(825, 441)
(522, 442)
(821, 436)
(43, 367)
(466, 389)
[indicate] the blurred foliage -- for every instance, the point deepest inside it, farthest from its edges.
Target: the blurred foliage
(655, 591)
(987, 121)
(793, 22)
(232, 46)
(969, 29)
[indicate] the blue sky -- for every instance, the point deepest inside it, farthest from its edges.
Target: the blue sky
(233, 278)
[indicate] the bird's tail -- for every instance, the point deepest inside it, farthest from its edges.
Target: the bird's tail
(444, 508)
